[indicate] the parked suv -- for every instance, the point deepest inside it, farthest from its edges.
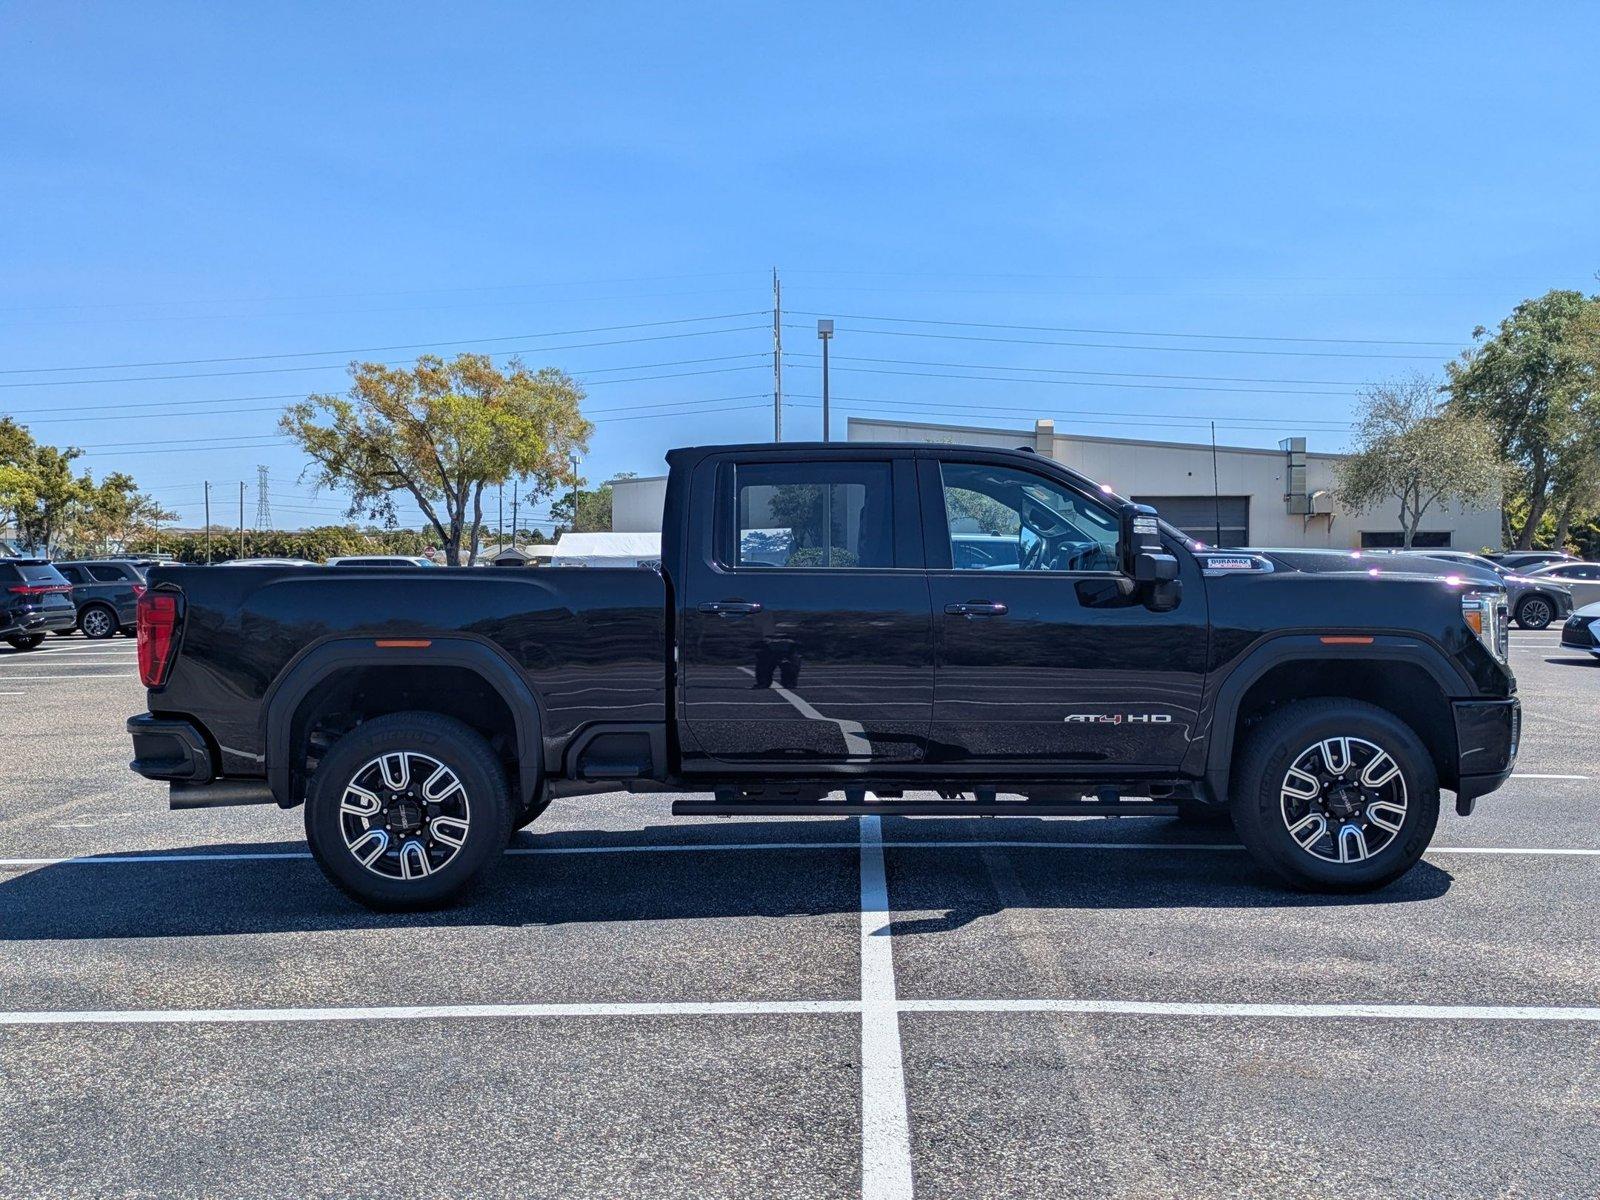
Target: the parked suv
(34, 600)
(106, 594)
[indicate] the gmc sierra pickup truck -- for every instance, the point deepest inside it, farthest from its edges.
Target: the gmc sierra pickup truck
(839, 628)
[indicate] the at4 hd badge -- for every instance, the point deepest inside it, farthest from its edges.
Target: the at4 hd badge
(1131, 718)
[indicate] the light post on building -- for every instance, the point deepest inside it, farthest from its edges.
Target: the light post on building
(825, 334)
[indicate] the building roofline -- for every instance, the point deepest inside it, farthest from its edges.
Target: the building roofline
(1027, 436)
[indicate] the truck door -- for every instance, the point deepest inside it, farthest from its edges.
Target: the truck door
(1047, 655)
(805, 632)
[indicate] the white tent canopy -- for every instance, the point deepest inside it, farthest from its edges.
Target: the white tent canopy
(607, 550)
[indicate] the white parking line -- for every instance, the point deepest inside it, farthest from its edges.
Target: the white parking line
(138, 859)
(41, 678)
(1530, 776)
(786, 1008)
(1154, 1008)
(885, 1130)
(424, 1012)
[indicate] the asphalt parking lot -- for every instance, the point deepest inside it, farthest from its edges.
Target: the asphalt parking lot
(656, 1006)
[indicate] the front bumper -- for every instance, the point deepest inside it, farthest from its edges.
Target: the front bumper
(1487, 735)
(1579, 634)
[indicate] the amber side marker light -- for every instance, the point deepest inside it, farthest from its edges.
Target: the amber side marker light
(403, 643)
(1346, 641)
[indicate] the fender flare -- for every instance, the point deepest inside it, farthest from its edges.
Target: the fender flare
(1305, 647)
(321, 661)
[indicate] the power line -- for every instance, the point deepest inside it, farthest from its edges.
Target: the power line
(510, 337)
(923, 362)
(1089, 416)
(1161, 387)
(1232, 337)
(581, 376)
(958, 337)
(662, 337)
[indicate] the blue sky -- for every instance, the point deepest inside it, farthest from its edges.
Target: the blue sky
(203, 182)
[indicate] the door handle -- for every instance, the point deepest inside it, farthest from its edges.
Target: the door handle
(977, 608)
(730, 608)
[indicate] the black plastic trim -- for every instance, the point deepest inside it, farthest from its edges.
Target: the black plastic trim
(169, 748)
(313, 667)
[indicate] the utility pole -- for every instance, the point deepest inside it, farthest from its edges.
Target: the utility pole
(777, 357)
(241, 518)
(513, 514)
(825, 333)
(208, 522)
(500, 521)
(574, 493)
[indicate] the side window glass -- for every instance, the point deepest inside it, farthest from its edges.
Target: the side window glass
(1002, 519)
(833, 515)
(73, 574)
(106, 574)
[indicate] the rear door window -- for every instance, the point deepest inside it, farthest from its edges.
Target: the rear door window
(106, 573)
(836, 515)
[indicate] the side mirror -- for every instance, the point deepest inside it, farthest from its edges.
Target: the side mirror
(1150, 567)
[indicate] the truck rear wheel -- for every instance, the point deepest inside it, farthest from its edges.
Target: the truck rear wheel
(1335, 795)
(407, 811)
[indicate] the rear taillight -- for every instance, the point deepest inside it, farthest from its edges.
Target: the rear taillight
(40, 589)
(158, 636)
(138, 590)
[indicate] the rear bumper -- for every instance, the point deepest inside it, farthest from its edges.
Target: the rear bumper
(21, 624)
(174, 751)
(1487, 735)
(169, 748)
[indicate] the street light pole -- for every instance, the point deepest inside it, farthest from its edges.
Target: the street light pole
(825, 333)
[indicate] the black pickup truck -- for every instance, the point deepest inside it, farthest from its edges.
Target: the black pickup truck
(839, 628)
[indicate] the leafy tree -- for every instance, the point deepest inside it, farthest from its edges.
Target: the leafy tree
(1417, 453)
(45, 496)
(1536, 382)
(594, 507)
(116, 512)
(443, 432)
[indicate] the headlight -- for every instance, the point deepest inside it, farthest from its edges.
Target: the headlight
(1485, 615)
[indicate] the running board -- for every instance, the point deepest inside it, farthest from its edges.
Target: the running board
(924, 808)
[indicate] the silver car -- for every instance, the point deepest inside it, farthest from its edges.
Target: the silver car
(1534, 602)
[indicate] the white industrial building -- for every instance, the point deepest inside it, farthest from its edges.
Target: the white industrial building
(1232, 496)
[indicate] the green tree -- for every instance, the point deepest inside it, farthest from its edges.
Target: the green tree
(1536, 382)
(45, 496)
(1414, 452)
(442, 432)
(593, 510)
(115, 512)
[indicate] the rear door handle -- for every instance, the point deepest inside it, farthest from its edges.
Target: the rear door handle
(730, 608)
(977, 608)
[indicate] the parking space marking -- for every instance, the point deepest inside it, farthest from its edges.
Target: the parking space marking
(885, 1126)
(425, 1012)
(1519, 776)
(41, 678)
(1155, 1008)
(137, 858)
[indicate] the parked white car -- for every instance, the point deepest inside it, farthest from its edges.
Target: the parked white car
(1582, 629)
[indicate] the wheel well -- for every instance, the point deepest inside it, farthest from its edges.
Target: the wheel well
(1404, 689)
(346, 698)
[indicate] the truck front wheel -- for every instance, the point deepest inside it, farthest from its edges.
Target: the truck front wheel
(407, 811)
(1335, 795)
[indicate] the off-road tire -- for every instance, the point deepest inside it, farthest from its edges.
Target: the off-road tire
(1278, 743)
(439, 737)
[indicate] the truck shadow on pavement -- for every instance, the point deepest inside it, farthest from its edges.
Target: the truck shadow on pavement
(597, 877)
